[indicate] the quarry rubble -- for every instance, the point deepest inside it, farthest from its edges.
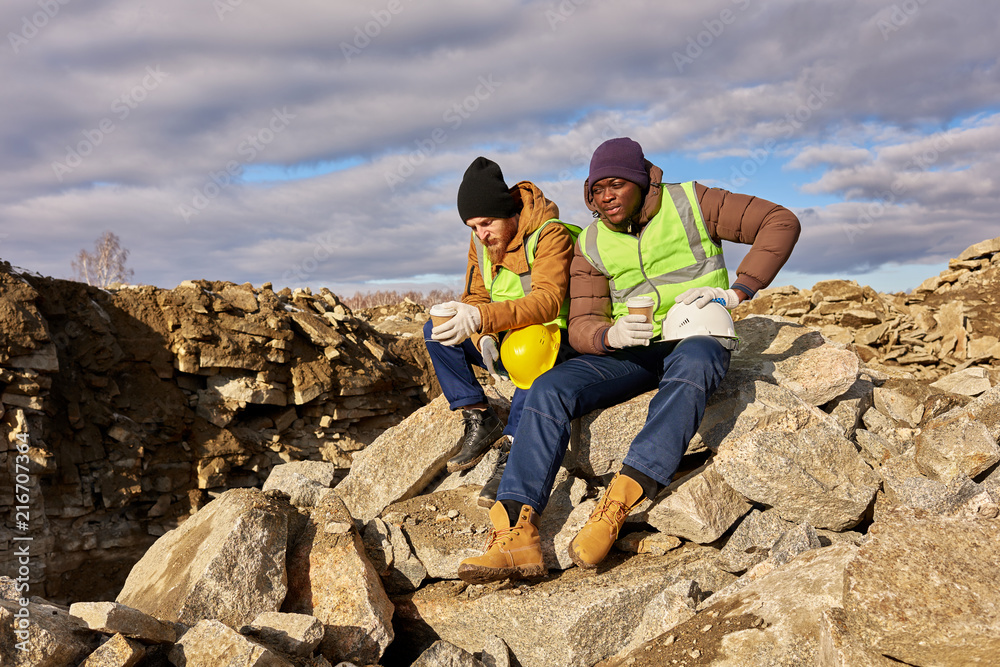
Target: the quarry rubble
(224, 475)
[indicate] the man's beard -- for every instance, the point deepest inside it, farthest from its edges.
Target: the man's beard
(498, 250)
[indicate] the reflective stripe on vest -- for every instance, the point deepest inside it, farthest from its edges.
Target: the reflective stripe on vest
(672, 254)
(508, 285)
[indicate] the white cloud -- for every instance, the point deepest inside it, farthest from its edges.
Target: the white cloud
(536, 85)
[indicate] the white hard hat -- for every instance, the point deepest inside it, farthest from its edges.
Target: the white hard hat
(685, 320)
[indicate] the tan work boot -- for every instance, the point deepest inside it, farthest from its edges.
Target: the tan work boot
(594, 540)
(511, 552)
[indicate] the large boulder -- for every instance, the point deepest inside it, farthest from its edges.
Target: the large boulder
(331, 578)
(225, 563)
(925, 589)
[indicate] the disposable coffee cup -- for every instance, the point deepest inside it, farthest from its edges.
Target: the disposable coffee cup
(641, 305)
(441, 314)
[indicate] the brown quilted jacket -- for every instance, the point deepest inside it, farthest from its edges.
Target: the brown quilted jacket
(549, 275)
(771, 229)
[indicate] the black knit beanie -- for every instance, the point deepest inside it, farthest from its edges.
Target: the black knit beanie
(483, 192)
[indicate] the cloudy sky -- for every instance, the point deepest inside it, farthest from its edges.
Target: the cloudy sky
(320, 143)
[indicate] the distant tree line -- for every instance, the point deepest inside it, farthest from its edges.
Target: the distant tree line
(390, 298)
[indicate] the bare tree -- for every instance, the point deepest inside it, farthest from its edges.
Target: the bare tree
(106, 265)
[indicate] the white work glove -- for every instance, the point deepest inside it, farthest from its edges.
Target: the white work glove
(702, 296)
(491, 355)
(630, 330)
(465, 323)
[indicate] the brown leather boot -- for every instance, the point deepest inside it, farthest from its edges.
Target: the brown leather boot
(594, 540)
(512, 552)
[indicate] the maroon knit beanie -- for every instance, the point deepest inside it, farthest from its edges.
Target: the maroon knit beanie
(483, 192)
(621, 158)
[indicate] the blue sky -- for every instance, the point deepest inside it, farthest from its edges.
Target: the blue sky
(318, 144)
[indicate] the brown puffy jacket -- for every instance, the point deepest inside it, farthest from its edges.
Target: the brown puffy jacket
(549, 275)
(771, 229)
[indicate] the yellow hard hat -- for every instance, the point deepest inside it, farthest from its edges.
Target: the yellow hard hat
(528, 352)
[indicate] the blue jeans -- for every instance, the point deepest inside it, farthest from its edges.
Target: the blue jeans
(686, 372)
(453, 367)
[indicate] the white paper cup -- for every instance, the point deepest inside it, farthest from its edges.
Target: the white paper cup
(641, 305)
(441, 314)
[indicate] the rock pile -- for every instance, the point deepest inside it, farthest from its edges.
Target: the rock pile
(836, 507)
(946, 325)
(138, 405)
(824, 516)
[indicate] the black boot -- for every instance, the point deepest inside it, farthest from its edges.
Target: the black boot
(482, 428)
(488, 495)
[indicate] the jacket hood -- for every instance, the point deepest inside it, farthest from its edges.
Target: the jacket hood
(650, 204)
(536, 208)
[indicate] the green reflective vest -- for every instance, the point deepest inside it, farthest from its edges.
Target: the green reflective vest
(508, 285)
(672, 254)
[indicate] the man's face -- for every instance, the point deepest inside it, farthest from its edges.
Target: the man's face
(494, 233)
(617, 200)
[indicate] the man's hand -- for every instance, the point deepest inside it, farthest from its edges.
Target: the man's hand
(630, 330)
(465, 323)
(702, 296)
(488, 347)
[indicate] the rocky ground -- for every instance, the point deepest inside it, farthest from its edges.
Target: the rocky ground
(220, 474)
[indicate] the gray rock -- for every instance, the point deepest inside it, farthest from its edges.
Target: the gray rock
(444, 654)
(213, 644)
(968, 382)
(794, 356)
(577, 619)
(51, 638)
(392, 556)
(956, 444)
(295, 634)
(797, 540)
(602, 440)
(226, 563)
(331, 578)
(875, 449)
(305, 482)
(495, 653)
(113, 618)
(904, 485)
(699, 508)
(119, 651)
(793, 457)
(790, 600)
(839, 648)
(752, 540)
(849, 407)
(403, 461)
(667, 609)
(925, 589)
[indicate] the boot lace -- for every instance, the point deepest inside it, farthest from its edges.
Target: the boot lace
(611, 511)
(499, 536)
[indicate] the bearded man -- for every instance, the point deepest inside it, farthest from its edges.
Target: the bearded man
(517, 275)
